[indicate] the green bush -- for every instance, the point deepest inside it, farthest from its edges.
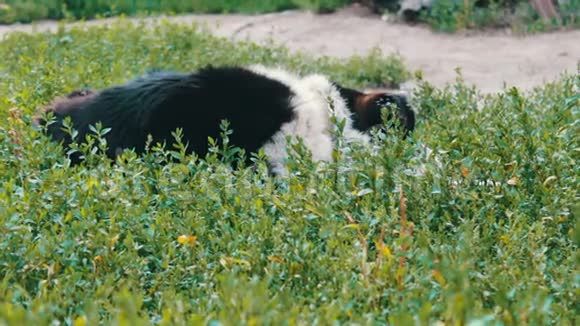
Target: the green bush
(194, 242)
(455, 15)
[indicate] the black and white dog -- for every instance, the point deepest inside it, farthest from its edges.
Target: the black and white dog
(263, 105)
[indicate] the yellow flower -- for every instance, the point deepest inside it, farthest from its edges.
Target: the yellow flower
(186, 239)
(80, 321)
(386, 252)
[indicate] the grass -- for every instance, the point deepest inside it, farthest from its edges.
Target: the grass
(363, 240)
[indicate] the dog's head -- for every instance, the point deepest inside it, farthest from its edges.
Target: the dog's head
(367, 109)
(397, 108)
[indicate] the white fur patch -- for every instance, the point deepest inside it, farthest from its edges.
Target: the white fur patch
(314, 102)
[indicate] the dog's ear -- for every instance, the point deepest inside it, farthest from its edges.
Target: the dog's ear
(360, 105)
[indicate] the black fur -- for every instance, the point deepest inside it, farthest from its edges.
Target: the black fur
(161, 102)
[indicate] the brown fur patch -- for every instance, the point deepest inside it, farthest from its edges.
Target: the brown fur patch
(65, 105)
(365, 100)
(363, 103)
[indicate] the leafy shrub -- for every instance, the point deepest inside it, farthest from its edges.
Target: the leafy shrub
(454, 15)
(363, 240)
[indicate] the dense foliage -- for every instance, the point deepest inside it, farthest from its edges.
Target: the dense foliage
(27, 10)
(488, 234)
(444, 15)
(520, 16)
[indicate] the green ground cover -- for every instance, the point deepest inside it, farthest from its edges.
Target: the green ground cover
(197, 243)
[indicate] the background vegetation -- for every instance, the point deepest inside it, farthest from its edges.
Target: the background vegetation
(518, 15)
(444, 15)
(26, 10)
(487, 236)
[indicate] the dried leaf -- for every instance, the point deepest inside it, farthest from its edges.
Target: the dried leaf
(513, 181)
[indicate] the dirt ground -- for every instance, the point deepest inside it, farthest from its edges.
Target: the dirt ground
(487, 60)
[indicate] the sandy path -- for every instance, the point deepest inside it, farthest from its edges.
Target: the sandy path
(486, 60)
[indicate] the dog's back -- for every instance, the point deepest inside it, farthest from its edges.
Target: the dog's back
(160, 102)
